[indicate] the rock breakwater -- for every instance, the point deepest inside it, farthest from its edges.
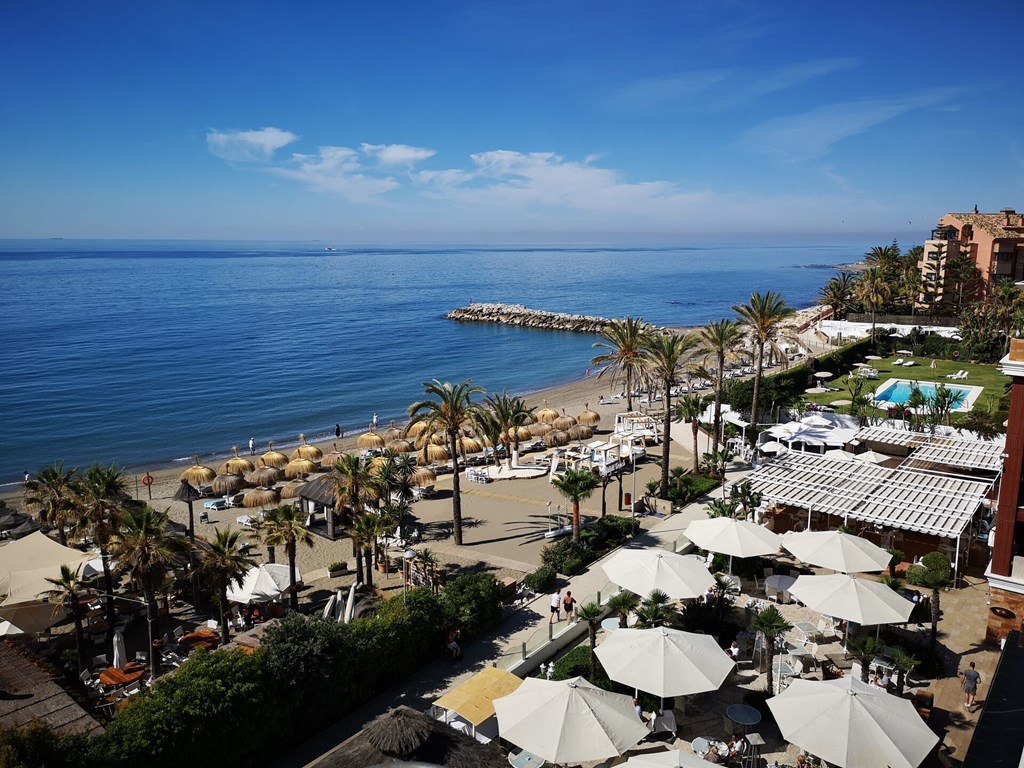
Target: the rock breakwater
(517, 314)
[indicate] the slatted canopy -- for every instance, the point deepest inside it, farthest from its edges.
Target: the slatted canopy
(474, 699)
(907, 499)
(961, 454)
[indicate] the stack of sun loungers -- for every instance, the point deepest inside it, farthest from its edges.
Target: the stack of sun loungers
(957, 376)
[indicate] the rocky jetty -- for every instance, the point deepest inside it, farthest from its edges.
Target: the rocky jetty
(517, 314)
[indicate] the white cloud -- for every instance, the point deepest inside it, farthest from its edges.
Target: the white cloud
(248, 146)
(396, 154)
(337, 170)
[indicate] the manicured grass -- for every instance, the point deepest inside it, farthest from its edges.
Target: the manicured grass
(987, 376)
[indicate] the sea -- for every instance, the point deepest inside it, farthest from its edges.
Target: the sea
(146, 353)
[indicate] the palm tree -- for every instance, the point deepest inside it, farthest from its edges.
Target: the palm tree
(1007, 301)
(353, 488)
(53, 492)
(576, 485)
(591, 613)
(663, 354)
(873, 291)
(720, 339)
(689, 408)
(223, 563)
(451, 407)
(142, 547)
(364, 531)
(284, 526)
(622, 340)
(102, 494)
(863, 648)
(656, 610)
(772, 625)
(722, 508)
(762, 316)
(838, 293)
(66, 592)
(934, 573)
(904, 663)
(511, 413)
(488, 426)
(622, 604)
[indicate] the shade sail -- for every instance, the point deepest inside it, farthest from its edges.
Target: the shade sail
(39, 555)
(474, 699)
(851, 724)
(262, 584)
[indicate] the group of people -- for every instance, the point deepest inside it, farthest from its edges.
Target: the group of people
(735, 748)
(559, 604)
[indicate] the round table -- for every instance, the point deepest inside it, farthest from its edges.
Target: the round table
(780, 582)
(610, 624)
(743, 714)
(201, 638)
(129, 673)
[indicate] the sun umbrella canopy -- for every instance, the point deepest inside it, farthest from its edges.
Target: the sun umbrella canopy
(331, 458)
(772, 446)
(644, 570)
(540, 428)
(299, 468)
(546, 415)
(197, 474)
(814, 420)
(262, 583)
(736, 538)
(836, 550)
(520, 433)
(859, 600)
(437, 453)
(563, 422)
(815, 391)
(569, 721)
(841, 402)
(227, 484)
(274, 458)
(665, 662)
(264, 475)
(260, 497)
(470, 445)
(674, 758)
(580, 432)
(423, 476)
(306, 451)
(292, 489)
(823, 374)
(853, 725)
(415, 429)
(371, 440)
(555, 438)
(872, 357)
(237, 465)
(589, 418)
(392, 433)
(400, 446)
(838, 455)
(871, 457)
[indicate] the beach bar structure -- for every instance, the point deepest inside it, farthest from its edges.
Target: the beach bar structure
(635, 424)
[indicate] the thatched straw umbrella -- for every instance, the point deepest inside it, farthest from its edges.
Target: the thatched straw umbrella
(236, 465)
(299, 468)
(394, 733)
(439, 438)
(228, 483)
(273, 458)
(265, 476)
(260, 497)
(523, 433)
(197, 474)
(470, 445)
(580, 432)
(437, 453)
(546, 415)
(371, 440)
(423, 476)
(415, 428)
(305, 451)
(332, 458)
(555, 438)
(392, 432)
(589, 418)
(539, 429)
(292, 488)
(400, 446)
(563, 422)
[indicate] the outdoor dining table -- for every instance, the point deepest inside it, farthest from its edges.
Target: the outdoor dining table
(525, 760)
(129, 673)
(743, 714)
(201, 638)
(702, 744)
(610, 624)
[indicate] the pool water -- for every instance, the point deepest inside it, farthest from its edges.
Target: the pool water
(897, 392)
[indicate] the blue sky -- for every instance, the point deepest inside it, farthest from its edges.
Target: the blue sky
(556, 120)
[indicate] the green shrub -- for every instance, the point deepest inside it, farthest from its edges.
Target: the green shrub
(576, 663)
(614, 529)
(473, 603)
(563, 554)
(339, 566)
(690, 488)
(37, 744)
(541, 580)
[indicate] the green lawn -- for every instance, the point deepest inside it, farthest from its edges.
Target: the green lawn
(987, 376)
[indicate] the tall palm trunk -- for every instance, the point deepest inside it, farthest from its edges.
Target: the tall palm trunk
(368, 559)
(290, 549)
(695, 427)
(358, 552)
(629, 389)
(575, 519)
(108, 587)
(76, 614)
(666, 438)
(225, 632)
(758, 371)
(456, 490)
(152, 616)
(719, 382)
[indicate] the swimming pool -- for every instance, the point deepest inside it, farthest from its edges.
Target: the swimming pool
(897, 392)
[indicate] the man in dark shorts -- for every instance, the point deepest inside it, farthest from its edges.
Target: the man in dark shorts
(556, 606)
(970, 679)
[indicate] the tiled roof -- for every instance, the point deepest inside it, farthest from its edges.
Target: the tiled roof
(992, 223)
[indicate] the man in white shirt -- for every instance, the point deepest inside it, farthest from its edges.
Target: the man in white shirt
(556, 604)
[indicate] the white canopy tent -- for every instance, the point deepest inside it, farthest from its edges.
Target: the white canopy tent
(262, 584)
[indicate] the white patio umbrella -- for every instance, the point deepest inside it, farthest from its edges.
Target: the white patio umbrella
(568, 721)
(814, 420)
(838, 455)
(846, 597)
(815, 391)
(823, 374)
(773, 446)
(675, 757)
(735, 538)
(871, 457)
(328, 612)
(836, 550)
(644, 570)
(665, 662)
(339, 606)
(350, 605)
(120, 656)
(262, 584)
(853, 725)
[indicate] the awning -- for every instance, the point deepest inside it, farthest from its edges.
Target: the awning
(474, 699)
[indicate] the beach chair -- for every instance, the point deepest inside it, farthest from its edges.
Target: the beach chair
(142, 656)
(898, 361)
(772, 593)
(909, 363)
(178, 633)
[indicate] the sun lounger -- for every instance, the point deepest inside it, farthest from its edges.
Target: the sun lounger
(898, 361)
(909, 363)
(954, 375)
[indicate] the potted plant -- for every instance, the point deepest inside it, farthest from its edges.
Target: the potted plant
(337, 569)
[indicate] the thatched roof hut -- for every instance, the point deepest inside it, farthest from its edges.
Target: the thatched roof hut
(403, 735)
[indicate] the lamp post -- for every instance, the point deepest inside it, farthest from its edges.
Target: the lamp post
(408, 556)
(632, 498)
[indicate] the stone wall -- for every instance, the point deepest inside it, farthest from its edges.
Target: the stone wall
(517, 314)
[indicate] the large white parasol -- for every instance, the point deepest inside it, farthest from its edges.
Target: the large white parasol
(665, 662)
(735, 538)
(853, 725)
(644, 570)
(675, 758)
(859, 600)
(568, 721)
(837, 551)
(262, 584)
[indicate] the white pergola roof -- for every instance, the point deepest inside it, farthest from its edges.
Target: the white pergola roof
(903, 438)
(927, 450)
(908, 499)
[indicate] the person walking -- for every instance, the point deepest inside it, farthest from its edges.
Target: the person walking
(337, 431)
(569, 605)
(556, 605)
(252, 446)
(970, 679)
(375, 420)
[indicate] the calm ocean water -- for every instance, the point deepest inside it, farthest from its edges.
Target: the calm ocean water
(135, 352)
